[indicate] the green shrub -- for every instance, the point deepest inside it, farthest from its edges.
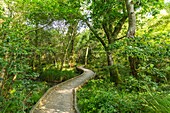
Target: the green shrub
(21, 96)
(55, 75)
(100, 96)
(131, 84)
(158, 102)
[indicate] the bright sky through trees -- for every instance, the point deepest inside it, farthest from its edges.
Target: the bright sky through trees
(167, 1)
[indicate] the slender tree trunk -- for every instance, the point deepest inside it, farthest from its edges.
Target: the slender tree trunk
(2, 76)
(70, 48)
(34, 65)
(131, 33)
(65, 55)
(72, 58)
(86, 56)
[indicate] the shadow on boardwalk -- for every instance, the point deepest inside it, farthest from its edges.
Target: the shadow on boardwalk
(61, 98)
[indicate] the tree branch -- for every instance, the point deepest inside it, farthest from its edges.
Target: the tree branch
(118, 27)
(96, 35)
(120, 38)
(106, 32)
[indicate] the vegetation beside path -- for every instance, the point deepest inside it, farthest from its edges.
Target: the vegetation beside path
(24, 93)
(101, 96)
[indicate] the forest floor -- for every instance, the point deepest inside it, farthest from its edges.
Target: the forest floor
(61, 98)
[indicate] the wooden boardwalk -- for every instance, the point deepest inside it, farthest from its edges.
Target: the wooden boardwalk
(61, 98)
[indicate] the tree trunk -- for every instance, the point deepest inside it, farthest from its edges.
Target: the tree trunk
(131, 33)
(2, 76)
(63, 62)
(114, 76)
(133, 66)
(86, 56)
(72, 57)
(34, 60)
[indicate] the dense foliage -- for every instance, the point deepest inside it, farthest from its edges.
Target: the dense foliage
(31, 54)
(41, 41)
(100, 96)
(149, 92)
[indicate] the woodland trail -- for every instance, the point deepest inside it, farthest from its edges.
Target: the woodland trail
(61, 98)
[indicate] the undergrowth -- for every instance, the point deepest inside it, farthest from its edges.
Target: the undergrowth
(100, 96)
(21, 95)
(55, 75)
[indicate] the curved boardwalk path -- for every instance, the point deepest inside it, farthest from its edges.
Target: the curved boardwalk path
(61, 98)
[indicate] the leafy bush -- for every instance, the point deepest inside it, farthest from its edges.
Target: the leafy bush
(152, 55)
(21, 95)
(55, 75)
(100, 96)
(131, 84)
(134, 96)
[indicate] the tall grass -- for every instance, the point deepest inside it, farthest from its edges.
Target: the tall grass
(158, 102)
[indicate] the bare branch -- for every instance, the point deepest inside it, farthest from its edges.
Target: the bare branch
(120, 38)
